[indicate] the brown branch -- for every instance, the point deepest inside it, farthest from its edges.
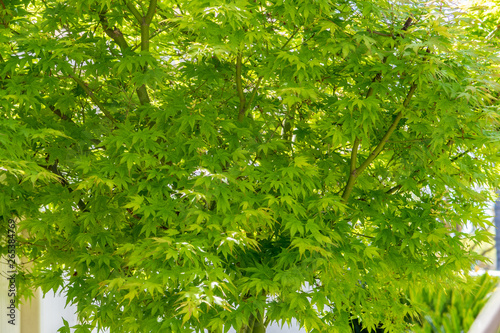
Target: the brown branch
(114, 33)
(64, 182)
(394, 189)
(132, 213)
(92, 96)
(356, 172)
(380, 33)
(58, 113)
(117, 36)
(5, 22)
(407, 24)
(389, 132)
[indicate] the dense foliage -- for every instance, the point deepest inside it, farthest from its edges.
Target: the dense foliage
(452, 310)
(178, 165)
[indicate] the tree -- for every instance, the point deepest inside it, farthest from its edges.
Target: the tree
(181, 166)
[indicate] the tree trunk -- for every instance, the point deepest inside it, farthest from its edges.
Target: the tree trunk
(255, 325)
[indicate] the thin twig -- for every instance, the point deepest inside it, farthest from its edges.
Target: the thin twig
(239, 88)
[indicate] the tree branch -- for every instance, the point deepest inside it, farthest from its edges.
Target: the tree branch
(380, 33)
(5, 21)
(355, 174)
(290, 38)
(354, 155)
(134, 11)
(145, 22)
(389, 132)
(407, 24)
(58, 113)
(239, 88)
(94, 99)
(119, 39)
(179, 7)
(151, 12)
(487, 250)
(64, 182)
(385, 34)
(244, 105)
(254, 92)
(114, 33)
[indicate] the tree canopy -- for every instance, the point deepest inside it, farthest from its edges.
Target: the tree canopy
(182, 166)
